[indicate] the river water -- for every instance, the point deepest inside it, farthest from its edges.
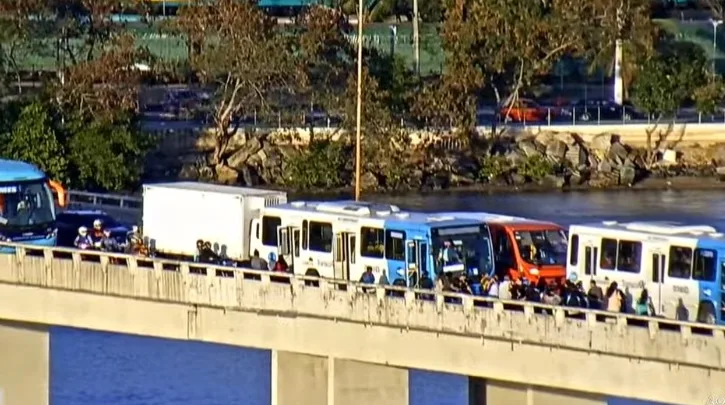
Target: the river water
(91, 368)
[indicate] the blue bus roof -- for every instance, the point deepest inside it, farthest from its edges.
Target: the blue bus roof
(15, 170)
(430, 219)
(390, 214)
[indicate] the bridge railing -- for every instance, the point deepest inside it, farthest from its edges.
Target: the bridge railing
(86, 199)
(42, 266)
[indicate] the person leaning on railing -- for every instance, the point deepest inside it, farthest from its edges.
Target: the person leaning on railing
(135, 245)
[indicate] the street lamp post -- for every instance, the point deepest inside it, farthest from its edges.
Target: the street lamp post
(358, 117)
(715, 24)
(416, 37)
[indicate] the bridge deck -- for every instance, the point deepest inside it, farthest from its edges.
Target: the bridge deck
(587, 351)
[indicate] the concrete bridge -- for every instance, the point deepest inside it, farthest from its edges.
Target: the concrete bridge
(335, 342)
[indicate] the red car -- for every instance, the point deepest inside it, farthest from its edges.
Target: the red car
(523, 110)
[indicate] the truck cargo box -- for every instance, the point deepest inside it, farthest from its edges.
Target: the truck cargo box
(176, 215)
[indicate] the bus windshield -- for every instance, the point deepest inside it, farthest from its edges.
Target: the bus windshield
(25, 205)
(463, 249)
(542, 247)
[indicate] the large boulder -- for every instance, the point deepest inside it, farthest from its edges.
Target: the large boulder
(240, 158)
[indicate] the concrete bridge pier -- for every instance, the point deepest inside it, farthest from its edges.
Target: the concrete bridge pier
(301, 379)
(24, 364)
(491, 392)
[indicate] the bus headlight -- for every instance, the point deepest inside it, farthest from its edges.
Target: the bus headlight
(534, 272)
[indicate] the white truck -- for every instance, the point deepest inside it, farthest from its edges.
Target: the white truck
(176, 215)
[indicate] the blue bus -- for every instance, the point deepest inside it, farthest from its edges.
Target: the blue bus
(426, 236)
(27, 206)
(343, 239)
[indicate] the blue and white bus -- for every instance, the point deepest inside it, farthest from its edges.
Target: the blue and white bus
(681, 266)
(341, 239)
(27, 206)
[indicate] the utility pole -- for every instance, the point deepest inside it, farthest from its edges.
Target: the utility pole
(618, 79)
(358, 118)
(416, 37)
(715, 24)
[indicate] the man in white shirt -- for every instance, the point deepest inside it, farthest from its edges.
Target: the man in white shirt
(504, 289)
(493, 288)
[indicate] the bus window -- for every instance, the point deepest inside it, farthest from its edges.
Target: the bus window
(320, 237)
(269, 230)
(680, 262)
(305, 234)
(574, 254)
(373, 242)
(609, 254)
(704, 265)
(395, 245)
(629, 256)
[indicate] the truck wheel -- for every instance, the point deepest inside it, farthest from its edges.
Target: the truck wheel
(706, 313)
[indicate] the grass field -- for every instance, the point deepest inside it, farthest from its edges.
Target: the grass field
(380, 36)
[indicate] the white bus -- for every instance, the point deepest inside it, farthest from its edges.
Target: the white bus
(680, 265)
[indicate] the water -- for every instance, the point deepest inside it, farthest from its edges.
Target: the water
(100, 368)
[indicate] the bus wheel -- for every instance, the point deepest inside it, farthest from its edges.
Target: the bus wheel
(312, 273)
(706, 313)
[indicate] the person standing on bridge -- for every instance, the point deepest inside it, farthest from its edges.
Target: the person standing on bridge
(83, 240)
(97, 234)
(257, 263)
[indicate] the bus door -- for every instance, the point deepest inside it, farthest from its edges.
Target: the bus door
(655, 264)
(590, 246)
(506, 263)
(344, 255)
(416, 263)
(288, 245)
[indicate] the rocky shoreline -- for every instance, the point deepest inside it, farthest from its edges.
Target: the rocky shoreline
(524, 162)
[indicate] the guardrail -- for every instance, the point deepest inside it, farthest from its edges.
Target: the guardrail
(99, 272)
(82, 198)
(545, 116)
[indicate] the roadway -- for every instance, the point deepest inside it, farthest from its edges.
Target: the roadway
(583, 352)
(485, 117)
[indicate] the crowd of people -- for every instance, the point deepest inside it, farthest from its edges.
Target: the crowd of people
(570, 293)
(101, 239)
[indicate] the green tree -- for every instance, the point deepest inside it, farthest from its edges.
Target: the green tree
(20, 36)
(106, 155)
(322, 165)
(671, 77)
(327, 56)
(33, 139)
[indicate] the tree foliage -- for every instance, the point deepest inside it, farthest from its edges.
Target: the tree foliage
(322, 165)
(84, 128)
(106, 155)
(677, 73)
(238, 49)
(501, 47)
(34, 139)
